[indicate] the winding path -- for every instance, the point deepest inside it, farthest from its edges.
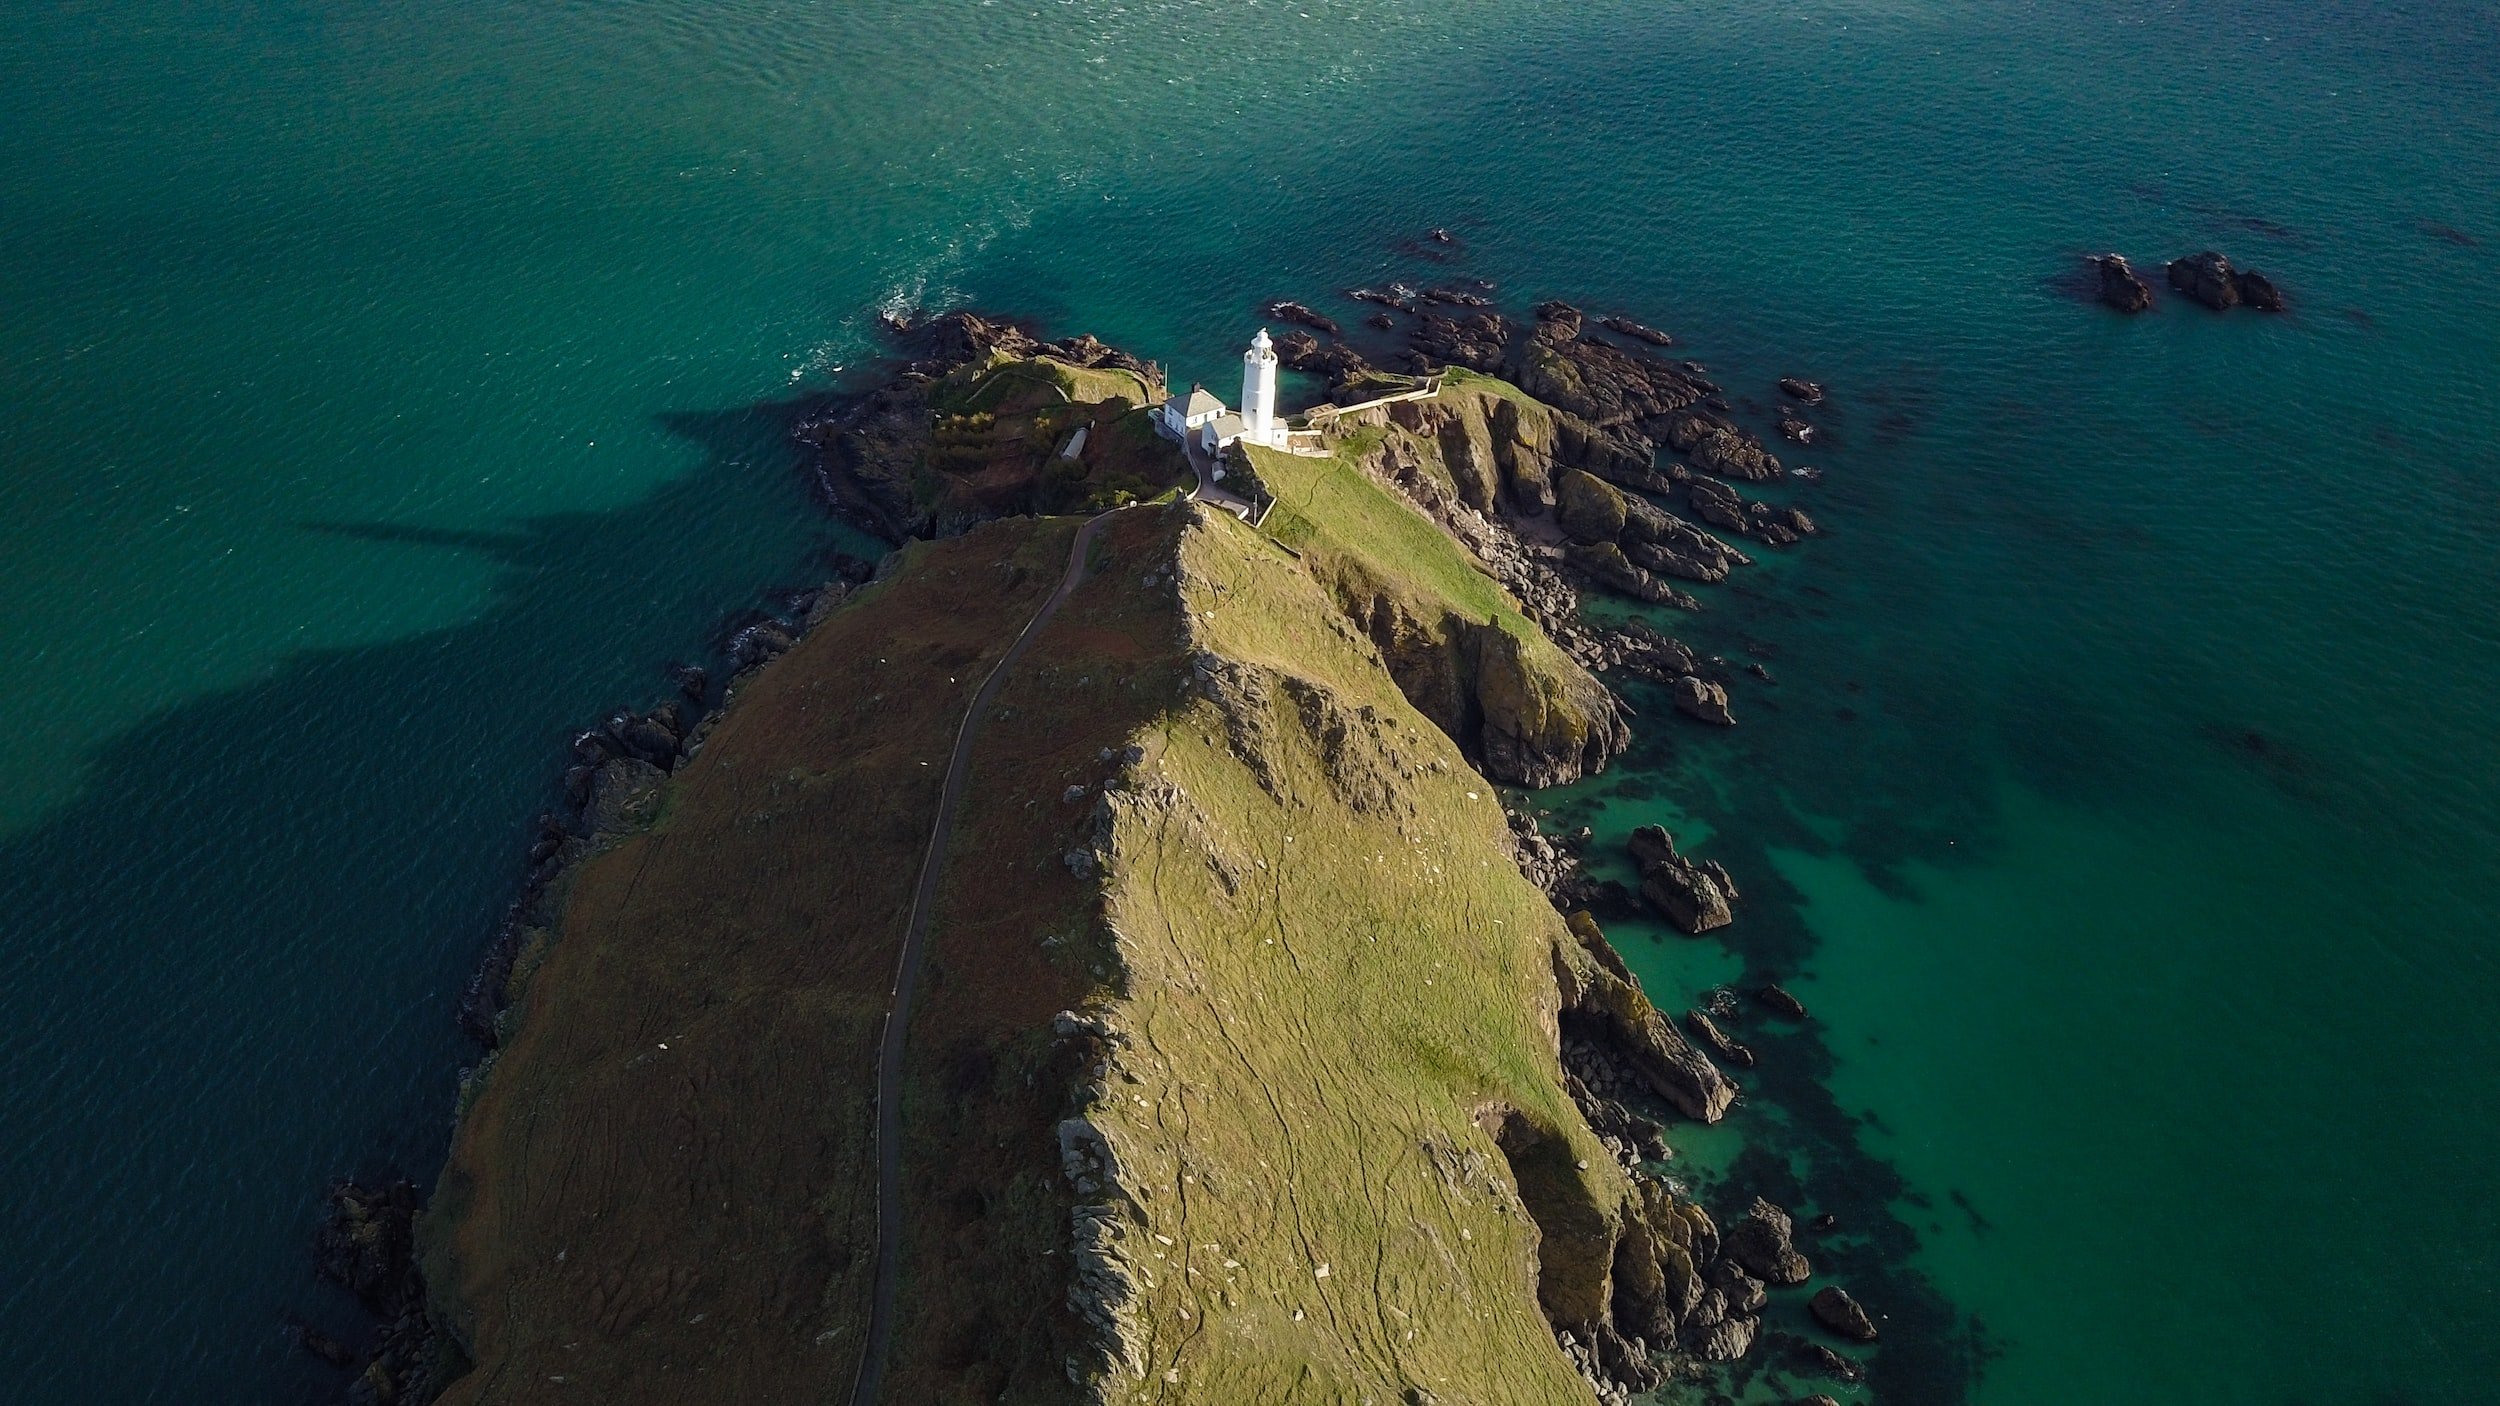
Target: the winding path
(889, 1134)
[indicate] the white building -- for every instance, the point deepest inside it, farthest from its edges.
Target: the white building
(1203, 417)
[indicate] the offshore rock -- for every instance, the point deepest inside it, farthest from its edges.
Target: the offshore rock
(1777, 997)
(2121, 287)
(2257, 291)
(1597, 381)
(1834, 1309)
(1478, 343)
(2207, 278)
(1284, 311)
(1686, 894)
(1638, 332)
(1698, 698)
(1716, 1040)
(1795, 388)
(1762, 1244)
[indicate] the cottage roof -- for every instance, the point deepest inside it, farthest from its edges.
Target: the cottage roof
(1201, 402)
(1229, 426)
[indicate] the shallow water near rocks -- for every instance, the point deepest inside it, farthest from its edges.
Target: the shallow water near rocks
(390, 391)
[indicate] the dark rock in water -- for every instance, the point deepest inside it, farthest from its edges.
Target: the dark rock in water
(1763, 1244)
(2121, 286)
(577, 785)
(1697, 697)
(1777, 997)
(1716, 1040)
(1818, 1399)
(1638, 332)
(857, 570)
(1745, 1293)
(1457, 298)
(691, 680)
(1442, 236)
(2257, 291)
(1715, 445)
(1823, 1362)
(1825, 1221)
(2207, 278)
(1381, 321)
(315, 1343)
(1478, 343)
(1605, 563)
(1687, 894)
(1834, 1309)
(1338, 363)
(1398, 296)
(1284, 311)
(367, 1244)
(1718, 505)
(758, 643)
(1795, 427)
(1795, 389)
(1598, 382)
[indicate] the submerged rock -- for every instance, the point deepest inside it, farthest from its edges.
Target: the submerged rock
(1779, 1000)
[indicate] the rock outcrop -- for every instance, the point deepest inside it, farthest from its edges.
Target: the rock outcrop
(1763, 1245)
(1600, 999)
(1694, 897)
(2209, 279)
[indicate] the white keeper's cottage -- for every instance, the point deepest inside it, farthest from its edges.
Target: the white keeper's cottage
(1201, 416)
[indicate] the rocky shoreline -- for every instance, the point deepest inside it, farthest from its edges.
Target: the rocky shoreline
(1553, 498)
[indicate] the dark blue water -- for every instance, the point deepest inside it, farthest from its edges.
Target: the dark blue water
(383, 388)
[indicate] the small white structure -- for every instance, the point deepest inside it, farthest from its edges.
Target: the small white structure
(1260, 424)
(1204, 418)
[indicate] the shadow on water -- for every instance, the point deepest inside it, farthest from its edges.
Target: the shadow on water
(232, 966)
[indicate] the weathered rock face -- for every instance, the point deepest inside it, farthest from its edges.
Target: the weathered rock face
(1697, 697)
(1606, 564)
(1694, 897)
(1598, 992)
(1639, 332)
(1589, 508)
(1834, 1309)
(1596, 381)
(2120, 285)
(1763, 1244)
(2207, 278)
(1717, 1041)
(1479, 342)
(1715, 445)
(1334, 362)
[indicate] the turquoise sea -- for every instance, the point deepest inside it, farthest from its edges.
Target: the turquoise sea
(391, 387)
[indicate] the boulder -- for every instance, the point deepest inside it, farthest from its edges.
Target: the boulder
(1834, 1309)
(1795, 389)
(1697, 697)
(1478, 343)
(1762, 1244)
(624, 795)
(1649, 556)
(1822, 1361)
(1605, 563)
(1715, 446)
(2120, 285)
(2207, 278)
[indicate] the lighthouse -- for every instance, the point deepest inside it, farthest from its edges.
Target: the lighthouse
(1258, 392)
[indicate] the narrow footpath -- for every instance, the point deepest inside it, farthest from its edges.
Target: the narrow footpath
(889, 1097)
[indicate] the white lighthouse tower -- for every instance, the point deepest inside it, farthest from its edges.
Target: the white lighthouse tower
(1258, 393)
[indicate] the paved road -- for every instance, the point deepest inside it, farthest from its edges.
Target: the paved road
(1210, 491)
(872, 1362)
